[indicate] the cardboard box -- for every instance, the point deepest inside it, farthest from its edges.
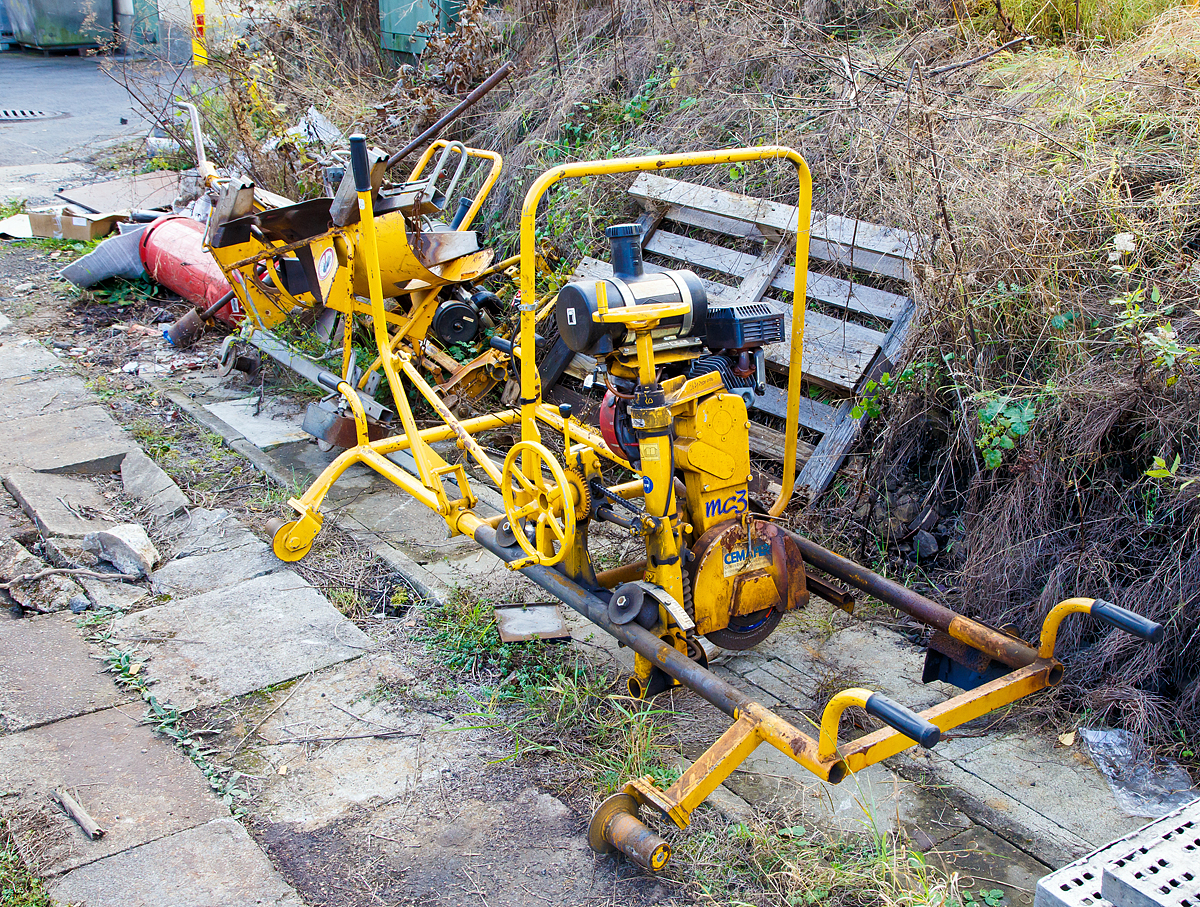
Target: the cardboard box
(68, 223)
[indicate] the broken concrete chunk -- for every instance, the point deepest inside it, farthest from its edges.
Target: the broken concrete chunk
(127, 547)
(51, 593)
(145, 482)
(69, 553)
(59, 505)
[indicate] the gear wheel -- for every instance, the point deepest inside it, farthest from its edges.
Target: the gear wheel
(583, 509)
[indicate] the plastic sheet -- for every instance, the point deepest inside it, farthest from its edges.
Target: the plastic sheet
(1142, 785)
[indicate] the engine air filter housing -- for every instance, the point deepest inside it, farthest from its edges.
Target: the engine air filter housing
(630, 285)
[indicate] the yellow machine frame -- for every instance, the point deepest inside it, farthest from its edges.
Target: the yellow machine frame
(536, 488)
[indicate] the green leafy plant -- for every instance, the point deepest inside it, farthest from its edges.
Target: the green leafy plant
(991, 897)
(1002, 421)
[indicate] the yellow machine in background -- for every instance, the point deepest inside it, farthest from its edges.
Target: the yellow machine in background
(671, 466)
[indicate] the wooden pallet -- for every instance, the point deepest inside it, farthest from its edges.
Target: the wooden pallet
(852, 332)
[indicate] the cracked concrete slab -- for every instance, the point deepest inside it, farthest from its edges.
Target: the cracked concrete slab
(21, 356)
(145, 481)
(208, 648)
(985, 861)
(1053, 803)
(201, 531)
(188, 576)
(40, 393)
(88, 441)
(321, 738)
(212, 865)
(137, 786)
(60, 506)
(48, 672)
(406, 523)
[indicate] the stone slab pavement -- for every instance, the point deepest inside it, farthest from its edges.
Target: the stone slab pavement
(136, 785)
(210, 864)
(66, 725)
(240, 638)
(48, 672)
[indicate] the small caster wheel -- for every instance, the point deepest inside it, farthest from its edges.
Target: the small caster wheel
(287, 544)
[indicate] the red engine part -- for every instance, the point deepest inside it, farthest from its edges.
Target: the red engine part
(608, 418)
(172, 249)
(616, 429)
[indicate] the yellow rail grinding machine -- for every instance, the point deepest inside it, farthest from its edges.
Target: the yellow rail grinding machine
(680, 368)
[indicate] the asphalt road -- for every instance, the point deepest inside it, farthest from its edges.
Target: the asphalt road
(39, 156)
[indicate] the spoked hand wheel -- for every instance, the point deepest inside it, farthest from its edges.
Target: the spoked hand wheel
(528, 498)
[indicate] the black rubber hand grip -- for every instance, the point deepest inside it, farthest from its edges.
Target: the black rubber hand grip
(329, 380)
(499, 343)
(904, 720)
(359, 164)
(1124, 619)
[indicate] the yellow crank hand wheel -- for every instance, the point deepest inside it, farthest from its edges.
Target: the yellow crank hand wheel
(530, 498)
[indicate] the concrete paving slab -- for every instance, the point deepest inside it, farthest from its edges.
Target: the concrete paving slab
(1031, 830)
(146, 482)
(212, 865)
(401, 521)
(135, 785)
(112, 595)
(781, 690)
(21, 355)
(985, 861)
(242, 638)
(38, 394)
(188, 576)
(264, 425)
(883, 661)
(331, 768)
(61, 506)
(1050, 801)
(89, 441)
(201, 531)
(48, 672)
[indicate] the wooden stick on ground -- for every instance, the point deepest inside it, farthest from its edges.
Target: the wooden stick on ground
(90, 826)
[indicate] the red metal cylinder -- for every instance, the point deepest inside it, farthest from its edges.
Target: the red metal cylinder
(172, 249)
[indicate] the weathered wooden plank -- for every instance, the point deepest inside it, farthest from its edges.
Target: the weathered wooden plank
(758, 279)
(766, 442)
(827, 458)
(832, 228)
(812, 413)
(858, 259)
(819, 287)
(836, 353)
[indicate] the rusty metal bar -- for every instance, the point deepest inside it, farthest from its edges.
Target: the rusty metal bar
(484, 87)
(999, 646)
(729, 699)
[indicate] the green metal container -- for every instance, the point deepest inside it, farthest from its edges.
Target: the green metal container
(60, 23)
(401, 22)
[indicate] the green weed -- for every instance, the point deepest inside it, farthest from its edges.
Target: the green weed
(18, 886)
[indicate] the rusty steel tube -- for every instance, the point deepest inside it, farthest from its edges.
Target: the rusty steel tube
(729, 699)
(630, 835)
(1011, 652)
(429, 134)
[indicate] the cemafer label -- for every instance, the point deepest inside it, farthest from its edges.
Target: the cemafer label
(755, 554)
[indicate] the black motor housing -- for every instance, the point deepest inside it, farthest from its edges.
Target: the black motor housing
(630, 285)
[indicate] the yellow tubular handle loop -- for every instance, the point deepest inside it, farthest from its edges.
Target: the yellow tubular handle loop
(832, 716)
(1055, 618)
